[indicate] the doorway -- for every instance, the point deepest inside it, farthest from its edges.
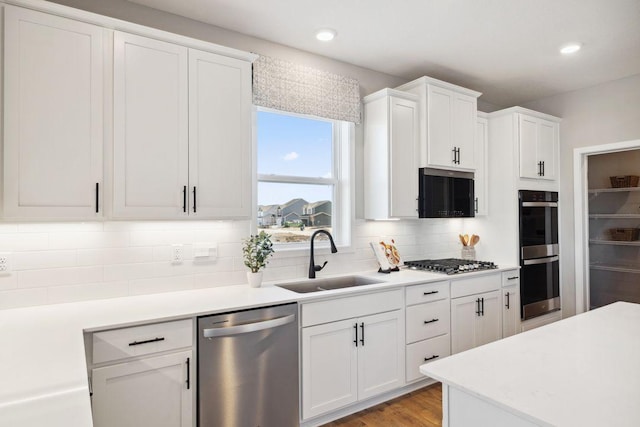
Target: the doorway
(607, 217)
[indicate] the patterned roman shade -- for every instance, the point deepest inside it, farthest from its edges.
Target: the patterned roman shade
(300, 89)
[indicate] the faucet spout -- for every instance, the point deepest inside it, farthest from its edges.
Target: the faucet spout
(312, 264)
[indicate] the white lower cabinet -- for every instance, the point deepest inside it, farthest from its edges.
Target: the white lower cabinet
(425, 351)
(154, 391)
(351, 360)
(143, 376)
(510, 303)
(476, 315)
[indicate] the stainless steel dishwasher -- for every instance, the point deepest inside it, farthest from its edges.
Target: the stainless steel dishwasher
(248, 368)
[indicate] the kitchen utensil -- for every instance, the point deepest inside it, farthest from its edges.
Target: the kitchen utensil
(466, 240)
(474, 240)
(462, 240)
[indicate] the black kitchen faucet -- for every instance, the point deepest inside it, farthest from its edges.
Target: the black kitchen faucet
(312, 264)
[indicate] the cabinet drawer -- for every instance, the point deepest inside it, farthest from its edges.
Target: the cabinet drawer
(424, 352)
(511, 277)
(427, 320)
(418, 294)
(316, 313)
(475, 285)
(141, 340)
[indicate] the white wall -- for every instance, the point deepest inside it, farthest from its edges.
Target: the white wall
(597, 115)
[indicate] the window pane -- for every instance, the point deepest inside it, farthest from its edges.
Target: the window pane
(294, 146)
(292, 212)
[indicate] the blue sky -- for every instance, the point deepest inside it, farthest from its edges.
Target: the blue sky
(293, 146)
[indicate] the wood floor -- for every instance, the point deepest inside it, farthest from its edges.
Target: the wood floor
(420, 408)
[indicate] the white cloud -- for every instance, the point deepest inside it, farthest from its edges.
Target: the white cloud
(327, 175)
(291, 156)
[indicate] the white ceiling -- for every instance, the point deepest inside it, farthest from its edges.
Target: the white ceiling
(507, 49)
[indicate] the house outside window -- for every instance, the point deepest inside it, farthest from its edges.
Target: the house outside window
(304, 177)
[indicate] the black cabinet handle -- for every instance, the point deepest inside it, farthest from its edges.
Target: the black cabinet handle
(476, 205)
(543, 168)
(97, 196)
(430, 292)
(194, 199)
(430, 321)
(355, 326)
(482, 305)
(435, 356)
(454, 155)
(478, 306)
(146, 341)
(508, 303)
(512, 278)
(458, 159)
(188, 373)
(362, 339)
(184, 199)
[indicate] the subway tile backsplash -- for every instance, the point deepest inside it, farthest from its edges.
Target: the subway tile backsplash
(66, 261)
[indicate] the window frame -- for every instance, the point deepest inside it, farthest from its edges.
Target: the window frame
(342, 180)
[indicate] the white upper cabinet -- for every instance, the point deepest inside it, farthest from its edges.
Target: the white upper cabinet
(182, 131)
(53, 117)
(538, 147)
(219, 136)
(151, 133)
(480, 181)
(447, 123)
(390, 155)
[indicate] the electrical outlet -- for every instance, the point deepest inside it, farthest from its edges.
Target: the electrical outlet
(5, 263)
(177, 253)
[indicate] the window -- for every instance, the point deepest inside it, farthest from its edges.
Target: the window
(303, 177)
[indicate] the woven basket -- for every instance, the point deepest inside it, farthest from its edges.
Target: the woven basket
(624, 234)
(624, 181)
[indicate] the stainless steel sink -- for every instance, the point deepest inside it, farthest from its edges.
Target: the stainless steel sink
(319, 285)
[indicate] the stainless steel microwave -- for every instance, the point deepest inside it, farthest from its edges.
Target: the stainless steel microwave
(445, 194)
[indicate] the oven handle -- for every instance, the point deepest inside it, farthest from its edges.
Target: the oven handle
(541, 260)
(539, 204)
(248, 327)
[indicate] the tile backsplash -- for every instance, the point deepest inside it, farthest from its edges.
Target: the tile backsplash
(74, 261)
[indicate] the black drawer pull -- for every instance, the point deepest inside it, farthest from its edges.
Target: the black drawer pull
(435, 356)
(356, 329)
(430, 292)
(512, 278)
(188, 373)
(430, 321)
(146, 341)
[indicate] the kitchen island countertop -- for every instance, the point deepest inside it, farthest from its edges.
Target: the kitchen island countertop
(582, 371)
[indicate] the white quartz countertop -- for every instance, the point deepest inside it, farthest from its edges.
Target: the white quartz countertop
(582, 371)
(43, 368)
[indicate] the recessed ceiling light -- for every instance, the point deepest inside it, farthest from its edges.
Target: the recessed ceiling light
(325, 34)
(570, 48)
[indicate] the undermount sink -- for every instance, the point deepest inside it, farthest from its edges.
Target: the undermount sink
(318, 285)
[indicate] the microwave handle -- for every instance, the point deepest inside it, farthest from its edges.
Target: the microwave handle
(541, 260)
(539, 204)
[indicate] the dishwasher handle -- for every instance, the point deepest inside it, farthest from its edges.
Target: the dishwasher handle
(248, 327)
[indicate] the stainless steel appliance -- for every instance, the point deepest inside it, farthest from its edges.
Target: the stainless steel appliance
(450, 265)
(248, 368)
(445, 194)
(539, 253)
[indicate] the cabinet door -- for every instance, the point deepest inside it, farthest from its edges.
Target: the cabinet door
(329, 367)
(490, 321)
(53, 120)
(380, 353)
(439, 116)
(529, 167)
(149, 392)
(510, 310)
(219, 136)
(481, 186)
(150, 128)
(404, 156)
(464, 323)
(463, 129)
(547, 148)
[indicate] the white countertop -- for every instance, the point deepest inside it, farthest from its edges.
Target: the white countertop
(582, 371)
(43, 369)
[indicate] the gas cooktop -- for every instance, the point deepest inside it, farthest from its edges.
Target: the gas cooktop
(450, 265)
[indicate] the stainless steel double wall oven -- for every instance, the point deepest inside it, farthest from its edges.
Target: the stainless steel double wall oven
(539, 253)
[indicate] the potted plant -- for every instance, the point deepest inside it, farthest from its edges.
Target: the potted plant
(256, 250)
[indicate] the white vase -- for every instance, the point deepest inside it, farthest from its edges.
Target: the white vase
(254, 279)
